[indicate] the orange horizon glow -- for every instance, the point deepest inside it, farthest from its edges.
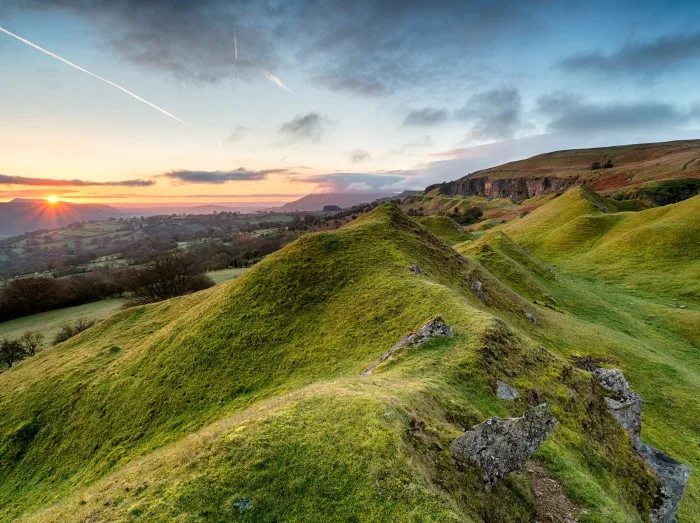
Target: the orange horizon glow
(52, 199)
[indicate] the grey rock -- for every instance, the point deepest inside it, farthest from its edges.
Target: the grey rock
(505, 391)
(432, 329)
(500, 446)
(415, 269)
(243, 504)
(531, 318)
(628, 412)
(613, 380)
(478, 289)
(673, 478)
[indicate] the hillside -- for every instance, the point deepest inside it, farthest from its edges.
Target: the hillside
(316, 202)
(633, 166)
(244, 401)
(22, 215)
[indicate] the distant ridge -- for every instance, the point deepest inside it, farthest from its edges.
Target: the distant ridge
(316, 202)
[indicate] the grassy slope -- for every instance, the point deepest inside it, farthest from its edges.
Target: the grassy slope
(250, 390)
(444, 228)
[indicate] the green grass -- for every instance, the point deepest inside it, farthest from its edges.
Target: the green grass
(226, 274)
(179, 409)
(445, 228)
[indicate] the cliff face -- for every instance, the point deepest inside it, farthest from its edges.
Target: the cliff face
(516, 188)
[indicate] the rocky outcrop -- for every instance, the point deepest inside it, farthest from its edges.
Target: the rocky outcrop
(518, 188)
(626, 407)
(505, 391)
(415, 269)
(478, 289)
(500, 446)
(434, 328)
(531, 318)
(673, 477)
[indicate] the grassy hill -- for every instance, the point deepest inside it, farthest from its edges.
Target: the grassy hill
(250, 391)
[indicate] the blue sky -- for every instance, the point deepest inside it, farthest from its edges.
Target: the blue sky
(384, 95)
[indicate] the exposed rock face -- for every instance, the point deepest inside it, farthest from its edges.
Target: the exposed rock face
(673, 477)
(478, 289)
(627, 409)
(515, 188)
(416, 269)
(433, 329)
(500, 446)
(505, 391)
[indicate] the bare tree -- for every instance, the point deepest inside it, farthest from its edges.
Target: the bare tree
(31, 341)
(167, 276)
(31, 294)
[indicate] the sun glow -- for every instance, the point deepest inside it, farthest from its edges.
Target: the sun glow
(52, 199)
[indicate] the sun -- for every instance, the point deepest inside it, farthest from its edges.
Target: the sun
(52, 199)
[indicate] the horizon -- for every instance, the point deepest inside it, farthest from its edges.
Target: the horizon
(131, 104)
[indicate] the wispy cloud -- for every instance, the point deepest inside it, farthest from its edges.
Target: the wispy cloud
(358, 156)
(275, 80)
(425, 117)
(53, 182)
(217, 177)
(495, 114)
(310, 127)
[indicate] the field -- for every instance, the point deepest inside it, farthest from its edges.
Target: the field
(248, 394)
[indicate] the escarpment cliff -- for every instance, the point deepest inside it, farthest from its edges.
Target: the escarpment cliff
(516, 188)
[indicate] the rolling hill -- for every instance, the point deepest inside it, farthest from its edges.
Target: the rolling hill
(633, 166)
(245, 402)
(23, 215)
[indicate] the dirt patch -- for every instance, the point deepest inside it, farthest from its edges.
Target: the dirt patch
(591, 363)
(552, 505)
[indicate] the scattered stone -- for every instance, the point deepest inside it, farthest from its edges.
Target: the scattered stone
(590, 363)
(433, 329)
(415, 269)
(531, 318)
(628, 412)
(673, 477)
(552, 299)
(550, 501)
(505, 391)
(478, 289)
(681, 306)
(243, 504)
(613, 380)
(500, 446)
(533, 397)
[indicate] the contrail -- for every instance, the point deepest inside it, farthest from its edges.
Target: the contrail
(275, 80)
(75, 66)
(235, 50)
(220, 146)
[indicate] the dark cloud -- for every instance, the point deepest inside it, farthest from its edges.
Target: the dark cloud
(572, 114)
(646, 58)
(358, 155)
(238, 175)
(309, 127)
(334, 41)
(53, 182)
(496, 114)
(425, 117)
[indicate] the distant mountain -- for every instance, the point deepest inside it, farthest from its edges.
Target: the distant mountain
(605, 169)
(316, 202)
(24, 215)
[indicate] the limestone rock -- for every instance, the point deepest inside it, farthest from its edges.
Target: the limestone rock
(613, 380)
(505, 391)
(628, 412)
(415, 269)
(673, 477)
(478, 289)
(243, 504)
(500, 446)
(531, 318)
(432, 329)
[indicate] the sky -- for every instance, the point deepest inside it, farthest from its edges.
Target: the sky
(325, 96)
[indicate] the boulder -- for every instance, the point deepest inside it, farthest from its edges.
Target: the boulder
(673, 478)
(434, 328)
(613, 380)
(415, 269)
(505, 391)
(531, 318)
(500, 446)
(628, 412)
(478, 289)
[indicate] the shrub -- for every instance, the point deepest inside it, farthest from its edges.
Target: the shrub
(595, 166)
(71, 329)
(11, 351)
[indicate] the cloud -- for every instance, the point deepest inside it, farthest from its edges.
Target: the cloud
(352, 182)
(495, 114)
(425, 117)
(309, 127)
(237, 134)
(368, 87)
(642, 58)
(53, 182)
(358, 155)
(572, 114)
(216, 177)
